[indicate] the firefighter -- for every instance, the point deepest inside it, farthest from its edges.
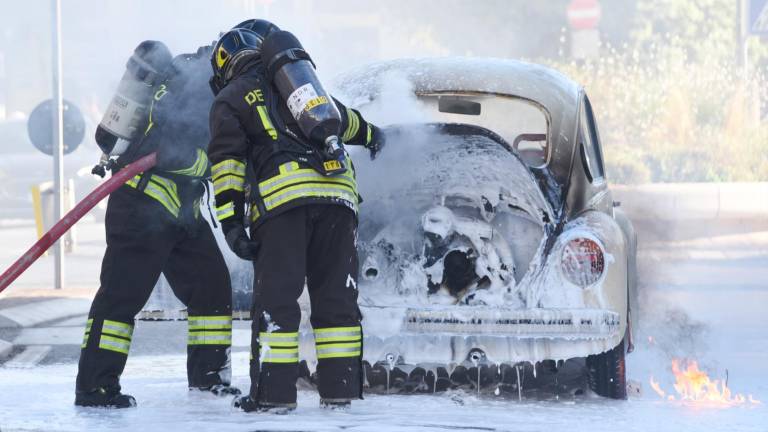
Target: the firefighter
(302, 213)
(153, 226)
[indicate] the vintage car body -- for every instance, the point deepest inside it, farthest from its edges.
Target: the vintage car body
(452, 176)
(556, 320)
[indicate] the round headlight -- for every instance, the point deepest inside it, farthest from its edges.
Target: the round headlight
(582, 261)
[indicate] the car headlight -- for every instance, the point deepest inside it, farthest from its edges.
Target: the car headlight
(582, 261)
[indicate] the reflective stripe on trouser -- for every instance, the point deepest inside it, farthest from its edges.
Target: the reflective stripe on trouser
(310, 245)
(210, 330)
(278, 347)
(143, 242)
(88, 326)
(116, 336)
(335, 342)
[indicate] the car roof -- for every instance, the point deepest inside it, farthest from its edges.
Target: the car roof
(557, 94)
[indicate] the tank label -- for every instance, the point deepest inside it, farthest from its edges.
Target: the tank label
(303, 99)
(120, 118)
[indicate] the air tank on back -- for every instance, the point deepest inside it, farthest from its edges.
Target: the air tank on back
(127, 112)
(291, 69)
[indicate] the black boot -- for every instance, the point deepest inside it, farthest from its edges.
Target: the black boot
(248, 404)
(219, 390)
(104, 398)
(336, 404)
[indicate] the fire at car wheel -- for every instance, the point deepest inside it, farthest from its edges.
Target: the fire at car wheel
(607, 373)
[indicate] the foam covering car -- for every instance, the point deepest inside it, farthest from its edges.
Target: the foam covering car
(492, 255)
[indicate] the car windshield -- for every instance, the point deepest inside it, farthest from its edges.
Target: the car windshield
(522, 123)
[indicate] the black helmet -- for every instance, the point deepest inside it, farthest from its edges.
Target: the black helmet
(260, 26)
(232, 47)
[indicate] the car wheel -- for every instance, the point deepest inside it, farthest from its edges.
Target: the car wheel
(607, 373)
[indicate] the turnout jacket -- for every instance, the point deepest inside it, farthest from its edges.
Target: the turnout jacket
(177, 129)
(259, 152)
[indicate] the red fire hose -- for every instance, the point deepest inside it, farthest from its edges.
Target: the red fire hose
(73, 216)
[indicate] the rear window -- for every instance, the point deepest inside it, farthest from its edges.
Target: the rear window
(522, 123)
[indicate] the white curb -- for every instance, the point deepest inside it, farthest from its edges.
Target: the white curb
(35, 313)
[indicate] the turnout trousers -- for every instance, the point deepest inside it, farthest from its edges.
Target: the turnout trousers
(143, 240)
(316, 243)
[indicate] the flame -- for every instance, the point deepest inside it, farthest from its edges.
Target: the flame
(694, 386)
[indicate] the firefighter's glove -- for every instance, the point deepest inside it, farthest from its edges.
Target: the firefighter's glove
(239, 242)
(376, 143)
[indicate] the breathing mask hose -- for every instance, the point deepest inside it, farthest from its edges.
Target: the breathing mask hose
(291, 70)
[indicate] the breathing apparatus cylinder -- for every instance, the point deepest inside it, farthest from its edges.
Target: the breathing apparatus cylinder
(126, 113)
(292, 71)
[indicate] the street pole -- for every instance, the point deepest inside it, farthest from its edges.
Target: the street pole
(58, 140)
(744, 36)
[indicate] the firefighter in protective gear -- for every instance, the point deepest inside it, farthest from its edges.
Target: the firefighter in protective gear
(153, 226)
(303, 224)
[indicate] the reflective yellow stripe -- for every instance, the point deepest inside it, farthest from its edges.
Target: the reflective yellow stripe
(312, 190)
(151, 109)
(266, 121)
(228, 182)
(114, 344)
(198, 168)
(337, 337)
(369, 136)
(170, 187)
(117, 328)
(289, 167)
(88, 325)
(228, 175)
(268, 187)
(354, 126)
(161, 189)
(338, 334)
(163, 197)
(219, 322)
(279, 339)
(228, 166)
(280, 355)
(339, 350)
(326, 330)
(294, 183)
(225, 211)
(210, 337)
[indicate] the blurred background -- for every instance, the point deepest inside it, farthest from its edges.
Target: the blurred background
(678, 85)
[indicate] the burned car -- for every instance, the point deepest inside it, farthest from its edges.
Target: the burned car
(492, 256)
(491, 250)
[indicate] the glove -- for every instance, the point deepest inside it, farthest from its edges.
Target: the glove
(239, 242)
(376, 143)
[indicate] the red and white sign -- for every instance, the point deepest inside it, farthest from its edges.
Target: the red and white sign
(584, 14)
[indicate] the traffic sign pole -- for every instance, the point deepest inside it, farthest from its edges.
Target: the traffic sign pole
(58, 141)
(583, 17)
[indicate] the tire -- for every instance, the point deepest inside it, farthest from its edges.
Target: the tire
(606, 373)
